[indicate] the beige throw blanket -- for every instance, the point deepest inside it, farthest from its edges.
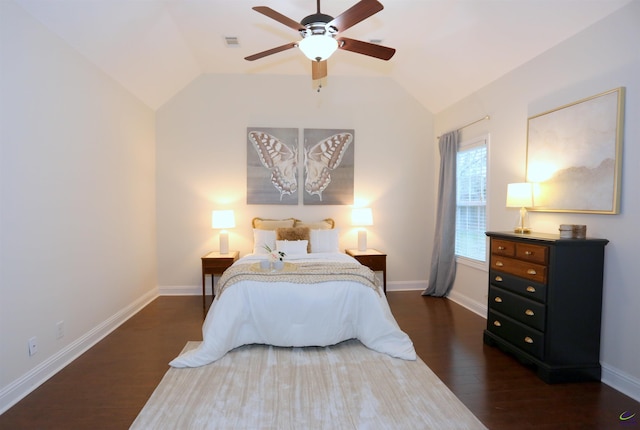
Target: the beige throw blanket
(300, 273)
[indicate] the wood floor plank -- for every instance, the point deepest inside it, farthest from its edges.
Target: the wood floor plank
(107, 386)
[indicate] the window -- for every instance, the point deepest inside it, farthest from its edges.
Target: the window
(471, 200)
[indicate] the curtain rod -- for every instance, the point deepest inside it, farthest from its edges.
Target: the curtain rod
(471, 123)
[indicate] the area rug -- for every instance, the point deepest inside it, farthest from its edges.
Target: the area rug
(345, 386)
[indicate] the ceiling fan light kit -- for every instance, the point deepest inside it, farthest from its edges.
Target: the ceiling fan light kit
(318, 47)
(319, 33)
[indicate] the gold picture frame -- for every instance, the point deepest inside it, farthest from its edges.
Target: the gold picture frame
(574, 155)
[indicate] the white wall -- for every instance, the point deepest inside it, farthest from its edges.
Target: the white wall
(201, 165)
(603, 57)
(77, 203)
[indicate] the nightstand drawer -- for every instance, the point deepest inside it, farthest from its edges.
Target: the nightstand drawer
(221, 264)
(526, 338)
(524, 310)
(374, 262)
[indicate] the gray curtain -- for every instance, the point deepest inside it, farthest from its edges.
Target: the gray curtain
(443, 260)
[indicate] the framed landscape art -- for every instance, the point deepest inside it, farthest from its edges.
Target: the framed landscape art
(574, 155)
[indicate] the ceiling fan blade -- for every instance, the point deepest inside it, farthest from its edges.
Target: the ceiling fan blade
(318, 69)
(279, 17)
(365, 48)
(356, 13)
(271, 51)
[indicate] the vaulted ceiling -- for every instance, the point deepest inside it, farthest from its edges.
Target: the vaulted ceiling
(446, 49)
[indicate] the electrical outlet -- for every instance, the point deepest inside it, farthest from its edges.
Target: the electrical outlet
(33, 346)
(60, 329)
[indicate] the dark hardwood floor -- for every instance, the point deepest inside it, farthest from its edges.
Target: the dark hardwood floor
(107, 386)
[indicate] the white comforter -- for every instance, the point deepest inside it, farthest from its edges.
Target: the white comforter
(291, 314)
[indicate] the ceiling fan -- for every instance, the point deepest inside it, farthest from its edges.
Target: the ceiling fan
(320, 35)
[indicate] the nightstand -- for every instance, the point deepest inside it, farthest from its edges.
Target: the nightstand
(215, 263)
(374, 260)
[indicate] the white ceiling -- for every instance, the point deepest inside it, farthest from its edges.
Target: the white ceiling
(446, 49)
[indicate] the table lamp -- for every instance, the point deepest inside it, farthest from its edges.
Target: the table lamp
(222, 220)
(520, 195)
(362, 217)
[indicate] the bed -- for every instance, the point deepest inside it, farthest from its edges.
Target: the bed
(320, 297)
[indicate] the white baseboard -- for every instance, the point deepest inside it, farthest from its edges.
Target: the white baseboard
(21, 387)
(462, 300)
(182, 290)
(472, 305)
(406, 285)
(621, 381)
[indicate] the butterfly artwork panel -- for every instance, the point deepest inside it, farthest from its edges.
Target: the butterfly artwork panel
(272, 166)
(328, 159)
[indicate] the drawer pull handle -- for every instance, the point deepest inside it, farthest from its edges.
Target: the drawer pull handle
(499, 263)
(498, 278)
(501, 248)
(529, 312)
(528, 339)
(528, 253)
(531, 272)
(497, 323)
(498, 300)
(531, 289)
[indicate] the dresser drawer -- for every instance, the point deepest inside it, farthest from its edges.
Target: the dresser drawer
(526, 338)
(533, 253)
(524, 269)
(519, 308)
(524, 287)
(503, 247)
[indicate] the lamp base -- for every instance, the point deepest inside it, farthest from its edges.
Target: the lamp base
(522, 223)
(224, 242)
(362, 240)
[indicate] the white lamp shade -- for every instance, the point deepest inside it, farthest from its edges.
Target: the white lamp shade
(520, 195)
(318, 47)
(223, 219)
(361, 217)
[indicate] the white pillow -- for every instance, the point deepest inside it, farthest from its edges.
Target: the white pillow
(262, 238)
(292, 247)
(324, 240)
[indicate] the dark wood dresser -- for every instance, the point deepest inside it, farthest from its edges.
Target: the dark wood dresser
(545, 303)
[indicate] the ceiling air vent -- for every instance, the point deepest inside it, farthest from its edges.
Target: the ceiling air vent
(231, 41)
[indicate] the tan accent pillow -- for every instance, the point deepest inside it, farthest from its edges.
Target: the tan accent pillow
(325, 224)
(272, 224)
(295, 233)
